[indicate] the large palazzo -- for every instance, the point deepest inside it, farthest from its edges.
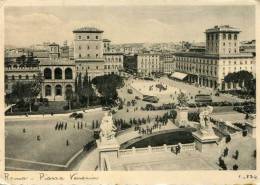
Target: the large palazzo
(60, 65)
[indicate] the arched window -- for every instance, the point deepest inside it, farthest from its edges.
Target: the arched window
(58, 73)
(20, 77)
(58, 90)
(68, 73)
(27, 77)
(68, 87)
(47, 73)
(47, 90)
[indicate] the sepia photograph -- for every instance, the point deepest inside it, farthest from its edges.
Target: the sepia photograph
(130, 88)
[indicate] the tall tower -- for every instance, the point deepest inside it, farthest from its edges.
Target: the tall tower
(223, 40)
(106, 48)
(88, 43)
(54, 50)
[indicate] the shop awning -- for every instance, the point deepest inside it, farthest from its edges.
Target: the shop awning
(179, 75)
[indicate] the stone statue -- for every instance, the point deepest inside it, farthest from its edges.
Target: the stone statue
(205, 123)
(107, 128)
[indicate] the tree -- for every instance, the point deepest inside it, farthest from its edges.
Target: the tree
(87, 90)
(182, 99)
(37, 85)
(25, 92)
(107, 86)
(69, 96)
(242, 77)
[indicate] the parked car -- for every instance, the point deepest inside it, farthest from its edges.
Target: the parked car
(130, 91)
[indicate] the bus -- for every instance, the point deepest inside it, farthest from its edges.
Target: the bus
(152, 99)
(203, 98)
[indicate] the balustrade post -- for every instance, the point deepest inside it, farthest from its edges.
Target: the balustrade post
(149, 149)
(133, 150)
(165, 147)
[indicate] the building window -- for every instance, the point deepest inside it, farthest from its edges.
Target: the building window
(235, 37)
(47, 73)
(88, 47)
(223, 43)
(96, 67)
(58, 73)
(96, 47)
(27, 77)
(68, 73)
(224, 36)
(87, 37)
(229, 36)
(79, 47)
(20, 77)
(88, 55)
(79, 37)
(58, 90)
(96, 55)
(79, 55)
(34, 76)
(96, 37)
(47, 90)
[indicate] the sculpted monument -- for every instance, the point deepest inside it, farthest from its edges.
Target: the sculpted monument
(205, 137)
(107, 128)
(205, 126)
(107, 144)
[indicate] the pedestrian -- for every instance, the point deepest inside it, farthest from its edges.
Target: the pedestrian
(56, 127)
(177, 149)
(65, 127)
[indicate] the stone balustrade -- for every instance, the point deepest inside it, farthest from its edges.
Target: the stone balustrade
(149, 149)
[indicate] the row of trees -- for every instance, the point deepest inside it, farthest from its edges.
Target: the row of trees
(107, 86)
(85, 94)
(25, 92)
(244, 79)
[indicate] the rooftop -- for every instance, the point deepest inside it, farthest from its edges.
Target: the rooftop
(53, 44)
(222, 28)
(56, 62)
(106, 40)
(87, 30)
(216, 56)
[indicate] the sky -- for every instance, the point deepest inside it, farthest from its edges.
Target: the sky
(25, 26)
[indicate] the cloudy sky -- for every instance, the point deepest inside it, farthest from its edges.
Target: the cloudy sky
(30, 25)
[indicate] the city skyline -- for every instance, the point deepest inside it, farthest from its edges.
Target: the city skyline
(124, 24)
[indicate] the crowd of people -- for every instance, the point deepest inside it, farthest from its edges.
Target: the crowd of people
(148, 128)
(61, 126)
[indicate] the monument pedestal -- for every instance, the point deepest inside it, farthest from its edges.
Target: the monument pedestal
(205, 142)
(107, 148)
(182, 116)
(251, 125)
(251, 129)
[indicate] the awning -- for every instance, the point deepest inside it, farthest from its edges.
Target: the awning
(179, 75)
